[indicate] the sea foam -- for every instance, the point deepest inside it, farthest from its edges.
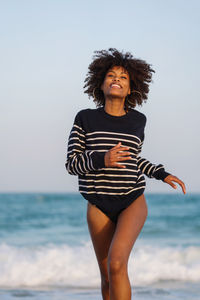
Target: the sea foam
(66, 266)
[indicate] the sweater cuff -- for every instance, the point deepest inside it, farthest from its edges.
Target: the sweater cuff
(161, 174)
(98, 160)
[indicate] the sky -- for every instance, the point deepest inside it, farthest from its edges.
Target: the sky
(46, 47)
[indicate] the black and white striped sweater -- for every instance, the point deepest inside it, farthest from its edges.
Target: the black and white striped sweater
(94, 132)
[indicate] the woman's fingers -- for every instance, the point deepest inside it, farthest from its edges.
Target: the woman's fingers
(118, 147)
(121, 154)
(123, 158)
(170, 179)
(116, 154)
(118, 165)
(181, 183)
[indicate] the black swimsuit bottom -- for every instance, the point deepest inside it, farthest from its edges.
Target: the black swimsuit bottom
(113, 207)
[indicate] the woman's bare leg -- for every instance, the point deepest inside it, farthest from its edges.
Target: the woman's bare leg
(101, 229)
(129, 225)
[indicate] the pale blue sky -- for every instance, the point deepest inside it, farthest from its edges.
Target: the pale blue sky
(46, 47)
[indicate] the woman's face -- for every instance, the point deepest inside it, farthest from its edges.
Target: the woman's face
(116, 83)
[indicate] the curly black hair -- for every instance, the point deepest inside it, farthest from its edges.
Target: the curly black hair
(140, 74)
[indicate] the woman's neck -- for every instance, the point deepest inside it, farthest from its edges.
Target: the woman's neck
(115, 108)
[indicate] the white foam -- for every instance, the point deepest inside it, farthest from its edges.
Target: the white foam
(63, 265)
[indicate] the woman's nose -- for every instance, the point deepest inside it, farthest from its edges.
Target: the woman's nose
(116, 78)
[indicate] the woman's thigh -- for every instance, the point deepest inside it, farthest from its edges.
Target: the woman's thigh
(129, 225)
(101, 230)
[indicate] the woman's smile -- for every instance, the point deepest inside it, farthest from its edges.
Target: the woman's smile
(114, 85)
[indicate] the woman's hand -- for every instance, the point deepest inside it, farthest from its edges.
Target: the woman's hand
(170, 178)
(115, 155)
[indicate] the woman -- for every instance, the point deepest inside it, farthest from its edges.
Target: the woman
(103, 150)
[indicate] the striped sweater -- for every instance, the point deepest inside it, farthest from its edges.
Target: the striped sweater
(94, 132)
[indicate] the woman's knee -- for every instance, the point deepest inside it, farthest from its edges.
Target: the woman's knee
(116, 265)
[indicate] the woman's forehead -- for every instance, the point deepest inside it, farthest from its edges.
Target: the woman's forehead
(118, 68)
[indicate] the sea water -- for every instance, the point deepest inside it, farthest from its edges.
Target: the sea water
(46, 252)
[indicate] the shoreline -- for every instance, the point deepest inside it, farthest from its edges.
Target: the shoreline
(161, 290)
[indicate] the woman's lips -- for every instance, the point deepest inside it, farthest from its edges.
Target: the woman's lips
(114, 85)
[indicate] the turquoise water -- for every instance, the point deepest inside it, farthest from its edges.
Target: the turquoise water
(46, 252)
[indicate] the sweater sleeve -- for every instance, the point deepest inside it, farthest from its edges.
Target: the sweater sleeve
(79, 160)
(149, 169)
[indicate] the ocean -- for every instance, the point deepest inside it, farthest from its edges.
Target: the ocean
(46, 252)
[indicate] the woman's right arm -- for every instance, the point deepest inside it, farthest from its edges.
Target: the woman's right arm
(79, 160)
